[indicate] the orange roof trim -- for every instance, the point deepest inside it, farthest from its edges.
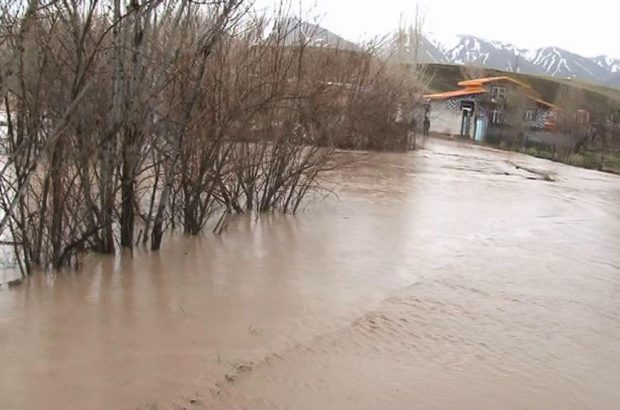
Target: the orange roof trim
(477, 86)
(477, 82)
(457, 93)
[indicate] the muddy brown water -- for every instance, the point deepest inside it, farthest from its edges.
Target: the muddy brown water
(442, 279)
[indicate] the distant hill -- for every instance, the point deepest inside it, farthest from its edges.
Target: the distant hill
(445, 77)
(476, 51)
(613, 80)
(407, 47)
(315, 35)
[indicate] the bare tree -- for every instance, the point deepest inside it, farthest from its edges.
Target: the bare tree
(126, 120)
(517, 104)
(572, 121)
(471, 71)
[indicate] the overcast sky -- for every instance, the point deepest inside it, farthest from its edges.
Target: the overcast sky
(588, 28)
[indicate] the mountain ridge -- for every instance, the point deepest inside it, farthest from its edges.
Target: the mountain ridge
(551, 61)
(473, 50)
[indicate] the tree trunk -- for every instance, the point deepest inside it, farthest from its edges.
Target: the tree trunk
(128, 195)
(57, 203)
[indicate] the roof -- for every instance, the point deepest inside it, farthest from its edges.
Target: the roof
(456, 93)
(477, 86)
(478, 82)
(543, 102)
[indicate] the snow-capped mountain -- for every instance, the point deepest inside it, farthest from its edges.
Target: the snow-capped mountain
(491, 54)
(315, 35)
(467, 49)
(551, 61)
(408, 47)
(561, 63)
(609, 64)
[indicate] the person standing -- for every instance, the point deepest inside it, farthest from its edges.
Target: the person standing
(427, 126)
(411, 135)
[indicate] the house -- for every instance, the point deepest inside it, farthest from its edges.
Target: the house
(484, 107)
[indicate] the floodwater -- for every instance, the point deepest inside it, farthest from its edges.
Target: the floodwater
(442, 279)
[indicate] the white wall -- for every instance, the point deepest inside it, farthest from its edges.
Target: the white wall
(3, 125)
(445, 120)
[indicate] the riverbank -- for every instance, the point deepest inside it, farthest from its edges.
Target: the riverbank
(588, 159)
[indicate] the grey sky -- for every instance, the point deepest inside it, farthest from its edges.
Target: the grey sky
(587, 27)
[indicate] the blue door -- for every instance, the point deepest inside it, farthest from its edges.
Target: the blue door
(481, 128)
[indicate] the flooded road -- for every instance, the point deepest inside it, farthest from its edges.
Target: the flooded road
(442, 279)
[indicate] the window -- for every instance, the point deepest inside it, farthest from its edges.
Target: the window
(497, 116)
(530, 115)
(498, 93)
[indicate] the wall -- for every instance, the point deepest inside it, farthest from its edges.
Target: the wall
(444, 119)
